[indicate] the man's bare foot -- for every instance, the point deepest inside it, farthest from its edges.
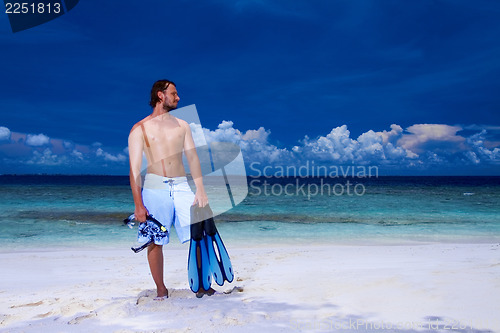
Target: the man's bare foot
(162, 293)
(162, 298)
(202, 292)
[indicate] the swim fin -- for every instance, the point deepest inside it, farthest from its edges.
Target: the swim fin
(220, 264)
(198, 262)
(218, 258)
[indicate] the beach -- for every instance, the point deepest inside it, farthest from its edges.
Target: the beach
(277, 288)
(413, 254)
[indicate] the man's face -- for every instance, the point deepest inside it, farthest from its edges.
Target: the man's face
(170, 98)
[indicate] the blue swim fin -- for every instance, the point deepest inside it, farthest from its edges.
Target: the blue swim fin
(199, 270)
(220, 264)
(193, 274)
(206, 241)
(198, 261)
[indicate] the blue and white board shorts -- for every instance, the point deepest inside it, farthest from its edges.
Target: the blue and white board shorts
(169, 200)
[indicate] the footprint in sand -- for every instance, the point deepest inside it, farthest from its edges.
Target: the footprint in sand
(78, 319)
(235, 289)
(147, 296)
(25, 305)
(44, 315)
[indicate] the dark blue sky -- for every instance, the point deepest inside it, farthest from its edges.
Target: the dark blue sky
(295, 68)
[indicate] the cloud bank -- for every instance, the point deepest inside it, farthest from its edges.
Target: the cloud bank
(418, 148)
(38, 153)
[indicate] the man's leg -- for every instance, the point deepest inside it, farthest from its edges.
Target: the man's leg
(183, 199)
(155, 259)
(163, 211)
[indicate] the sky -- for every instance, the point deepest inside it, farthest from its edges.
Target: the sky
(411, 87)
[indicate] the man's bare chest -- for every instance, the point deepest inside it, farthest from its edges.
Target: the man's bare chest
(161, 136)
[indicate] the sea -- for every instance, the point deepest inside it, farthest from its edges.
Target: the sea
(62, 211)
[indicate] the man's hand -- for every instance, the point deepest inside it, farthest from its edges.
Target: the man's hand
(141, 213)
(200, 198)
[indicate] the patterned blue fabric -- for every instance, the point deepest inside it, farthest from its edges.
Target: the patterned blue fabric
(150, 230)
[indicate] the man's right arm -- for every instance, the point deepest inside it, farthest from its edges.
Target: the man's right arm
(135, 149)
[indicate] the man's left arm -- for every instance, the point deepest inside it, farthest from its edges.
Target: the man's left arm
(200, 196)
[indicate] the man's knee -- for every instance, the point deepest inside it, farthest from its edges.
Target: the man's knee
(154, 247)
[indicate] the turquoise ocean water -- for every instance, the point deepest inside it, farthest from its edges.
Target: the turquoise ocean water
(66, 211)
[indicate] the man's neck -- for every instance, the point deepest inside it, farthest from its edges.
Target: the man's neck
(159, 111)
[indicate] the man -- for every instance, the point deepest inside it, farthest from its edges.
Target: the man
(165, 193)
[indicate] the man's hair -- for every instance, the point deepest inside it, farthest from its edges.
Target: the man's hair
(159, 85)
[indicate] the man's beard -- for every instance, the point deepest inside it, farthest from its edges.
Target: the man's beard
(169, 107)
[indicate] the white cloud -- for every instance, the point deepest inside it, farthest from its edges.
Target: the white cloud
(224, 133)
(198, 135)
(115, 158)
(422, 146)
(37, 140)
(110, 157)
(472, 157)
(46, 158)
(335, 146)
(477, 143)
(392, 135)
(482, 127)
(68, 144)
(370, 146)
(253, 143)
(4, 133)
(260, 135)
(57, 155)
(425, 137)
(338, 147)
(77, 154)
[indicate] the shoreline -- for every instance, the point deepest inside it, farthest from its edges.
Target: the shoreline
(124, 243)
(278, 288)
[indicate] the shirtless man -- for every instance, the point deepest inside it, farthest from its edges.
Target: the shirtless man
(165, 193)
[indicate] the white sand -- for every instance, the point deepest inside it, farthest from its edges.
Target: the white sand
(278, 289)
